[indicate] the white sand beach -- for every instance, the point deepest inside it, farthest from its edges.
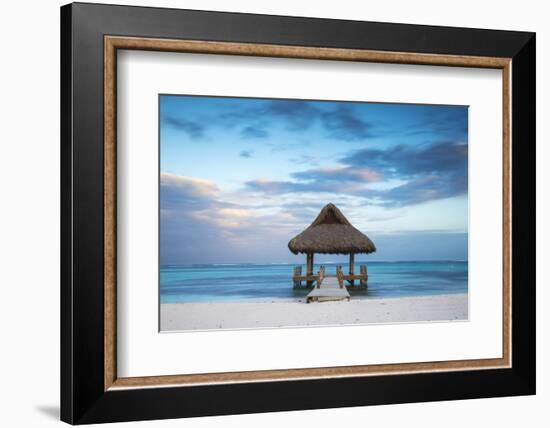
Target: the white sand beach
(296, 313)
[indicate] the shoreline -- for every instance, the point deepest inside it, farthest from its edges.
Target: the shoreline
(302, 299)
(294, 312)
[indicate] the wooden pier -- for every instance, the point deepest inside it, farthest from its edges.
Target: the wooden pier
(328, 291)
(330, 233)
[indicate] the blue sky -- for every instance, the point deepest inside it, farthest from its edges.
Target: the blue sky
(240, 177)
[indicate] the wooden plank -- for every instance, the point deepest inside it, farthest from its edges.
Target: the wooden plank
(329, 291)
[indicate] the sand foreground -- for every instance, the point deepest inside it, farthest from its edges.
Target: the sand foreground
(269, 314)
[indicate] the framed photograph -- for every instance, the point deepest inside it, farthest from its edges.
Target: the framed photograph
(265, 213)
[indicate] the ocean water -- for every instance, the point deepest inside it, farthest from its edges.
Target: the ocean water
(241, 282)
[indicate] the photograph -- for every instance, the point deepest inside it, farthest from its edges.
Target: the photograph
(262, 211)
(309, 213)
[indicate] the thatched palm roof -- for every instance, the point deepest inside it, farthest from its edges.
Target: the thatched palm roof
(331, 233)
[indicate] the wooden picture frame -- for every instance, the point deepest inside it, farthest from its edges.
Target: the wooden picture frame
(91, 390)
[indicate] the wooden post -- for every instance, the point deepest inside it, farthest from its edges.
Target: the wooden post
(296, 276)
(339, 277)
(309, 270)
(365, 276)
(321, 276)
(351, 266)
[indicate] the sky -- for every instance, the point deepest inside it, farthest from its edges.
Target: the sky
(240, 177)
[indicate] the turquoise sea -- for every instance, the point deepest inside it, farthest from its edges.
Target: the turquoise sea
(238, 282)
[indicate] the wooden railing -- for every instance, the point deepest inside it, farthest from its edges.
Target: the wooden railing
(298, 278)
(363, 277)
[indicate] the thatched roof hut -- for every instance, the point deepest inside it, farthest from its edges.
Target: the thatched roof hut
(331, 233)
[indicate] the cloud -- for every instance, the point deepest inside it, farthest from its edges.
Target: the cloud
(306, 159)
(339, 121)
(451, 121)
(197, 225)
(338, 174)
(278, 187)
(193, 193)
(421, 189)
(426, 173)
(254, 132)
(196, 186)
(406, 160)
(317, 206)
(342, 124)
(297, 114)
(246, 154)
(435, 171)
(342, 121)
(197, 198)
(322, 180)
(294, 115)
(194, 130)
